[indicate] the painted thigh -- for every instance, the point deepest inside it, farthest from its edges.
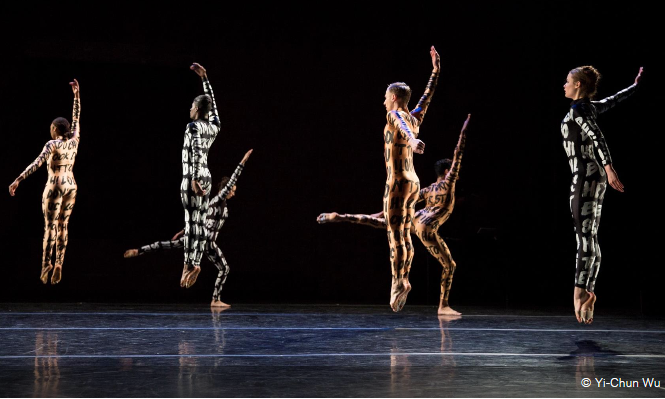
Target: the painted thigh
(68, 201)
(51, 205)
(585, 203)
(216, 256)
(439, 250)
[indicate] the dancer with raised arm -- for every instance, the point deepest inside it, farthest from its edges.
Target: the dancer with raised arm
(591, 166)
(215, 218)
(196, 179)
(402, 184)
(439, 200)
(60, 191)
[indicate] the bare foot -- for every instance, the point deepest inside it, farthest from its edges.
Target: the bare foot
(580, 296)
(185, 275)
(46, 268)
(327, 217)
(57, 274)
(445, 318)
(586, 311)
(191, 277)
(398, 293)
(219, 304)
(401, 301)
(130, 253)
(447, 311)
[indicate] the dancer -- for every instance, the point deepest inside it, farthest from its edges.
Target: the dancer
(60, 191)
(196, 179)
(402, 184)
(215, 218)
(439, 200)
(587, 150)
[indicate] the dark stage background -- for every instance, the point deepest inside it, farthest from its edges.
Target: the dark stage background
(304, 88)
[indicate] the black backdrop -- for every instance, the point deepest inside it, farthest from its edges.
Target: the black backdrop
(304, 88)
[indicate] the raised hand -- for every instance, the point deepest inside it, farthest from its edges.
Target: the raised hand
(75, 87)
(13, 187)
(466, 123)
(201, 71)
(418, 146)
(613, 179)
(198, 190)
(246, 157)
(436, 60)
(639, 75)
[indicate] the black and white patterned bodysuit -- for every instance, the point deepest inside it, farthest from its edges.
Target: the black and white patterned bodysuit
(215, 218)
(199, 136)
(587, 155)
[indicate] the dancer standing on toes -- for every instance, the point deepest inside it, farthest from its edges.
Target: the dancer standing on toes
(196, 179)
(587, 150)
(402, 184)
(59, 193)
(440, 201)
(215, 218)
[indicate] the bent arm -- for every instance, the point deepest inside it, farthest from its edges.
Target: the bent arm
(611, 101)
(395, 120)
(44, 156)
(589, 126)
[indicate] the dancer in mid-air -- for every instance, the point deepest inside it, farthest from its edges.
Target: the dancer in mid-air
(439, 200)
(215, 218)
(591, 166)
(402, 184)
(59, 193)
(196, 179)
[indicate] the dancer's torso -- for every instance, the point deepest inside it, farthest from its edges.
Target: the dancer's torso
(208, 133)
(439, 200)
(579, 145)
(60, 162)
(217, 215)
(398, 154)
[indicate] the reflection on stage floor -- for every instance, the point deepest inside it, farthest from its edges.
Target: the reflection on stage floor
(146, 350)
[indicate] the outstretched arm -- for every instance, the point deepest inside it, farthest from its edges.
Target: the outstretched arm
(421, 108)
(76, 111)
(213, 116)
(609, 102)
(224, 192)
(45, 154)
(453, 173)
(588, 124)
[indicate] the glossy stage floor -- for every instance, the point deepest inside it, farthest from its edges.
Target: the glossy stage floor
(91, 350)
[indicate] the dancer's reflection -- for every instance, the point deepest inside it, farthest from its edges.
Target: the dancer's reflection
(47, 372)
(219, 333)
(187, 363)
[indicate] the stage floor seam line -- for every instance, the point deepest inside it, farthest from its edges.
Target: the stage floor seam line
(483, 354)
(271, 314)
(326, 329)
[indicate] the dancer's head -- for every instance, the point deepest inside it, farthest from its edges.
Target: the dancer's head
(221, 185)
(582, 82)
(200, 107)
(442, 167)
(60, 128)
(398, 95)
